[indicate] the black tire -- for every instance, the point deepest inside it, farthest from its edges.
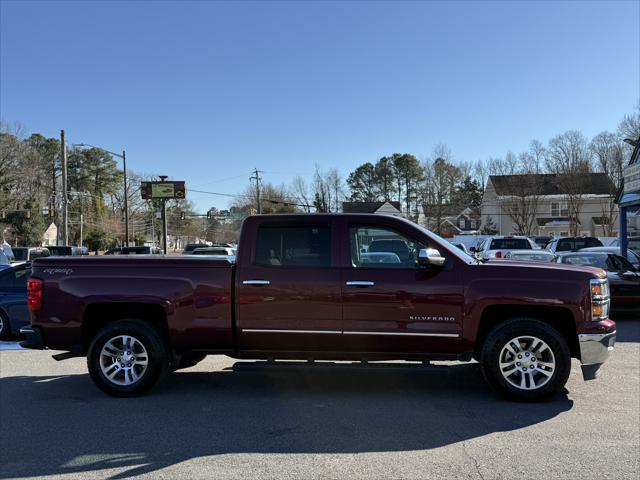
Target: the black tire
(189, 360)
(157, 357)
(498, 338)
(5, 327)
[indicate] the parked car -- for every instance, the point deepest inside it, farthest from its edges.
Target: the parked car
(499, 246)
(541, 241)
(4, 260)
(214, 251)
(6, 249)
(632, 242)
(67, 250)
(572, 244)
(28, 254)
(190, 247)
(141, 250)
(13, 299)
(535, 255)
(631, 255)
(624, 278)
(302, 289)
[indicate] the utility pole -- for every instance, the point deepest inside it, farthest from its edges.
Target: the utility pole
(65, 198)
(256, 177)
(164, 219)
(126, 199)
(153, 225)
(81, 225)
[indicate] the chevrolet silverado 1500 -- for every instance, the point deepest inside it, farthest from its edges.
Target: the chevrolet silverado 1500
(314, 286)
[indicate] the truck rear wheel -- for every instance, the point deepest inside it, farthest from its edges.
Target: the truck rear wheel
(127, 358)
(525, 360)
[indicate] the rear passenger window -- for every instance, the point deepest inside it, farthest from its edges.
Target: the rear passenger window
(300, 246)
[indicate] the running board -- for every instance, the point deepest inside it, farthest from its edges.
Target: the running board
(65, 356)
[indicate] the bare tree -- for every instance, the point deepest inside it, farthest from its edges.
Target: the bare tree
(629, 126)
(570, 158)
(522, 206)
(301, 191)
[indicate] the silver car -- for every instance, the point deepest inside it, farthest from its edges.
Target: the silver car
(499, 246)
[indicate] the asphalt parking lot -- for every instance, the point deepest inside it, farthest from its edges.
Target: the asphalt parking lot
(224, 419)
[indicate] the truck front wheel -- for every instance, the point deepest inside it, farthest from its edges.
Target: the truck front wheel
(126, 358)
(525, 360)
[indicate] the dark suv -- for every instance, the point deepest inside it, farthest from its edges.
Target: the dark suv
(572, 244)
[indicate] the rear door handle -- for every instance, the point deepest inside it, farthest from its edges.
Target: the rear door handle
(360, 283)
(256, 282)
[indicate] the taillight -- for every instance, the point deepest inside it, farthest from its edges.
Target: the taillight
(498, 254)
(34, 294)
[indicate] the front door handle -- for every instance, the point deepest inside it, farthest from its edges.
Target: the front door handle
(256, 282)
(360, 283)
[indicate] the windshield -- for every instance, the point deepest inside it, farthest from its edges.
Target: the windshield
(577, 243)
(591, 260)
(59, 250)
(510, 244)
(545, 257)
(20, 254)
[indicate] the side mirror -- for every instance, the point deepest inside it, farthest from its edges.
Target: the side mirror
(430, 256)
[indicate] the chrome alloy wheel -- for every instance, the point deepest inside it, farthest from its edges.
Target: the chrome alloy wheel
(527, 362)
(1, 325)
(123, 360)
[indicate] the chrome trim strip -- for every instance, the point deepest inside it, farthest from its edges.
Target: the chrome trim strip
(256, 282)
(360, 283)
(276, 330)
(405, 334)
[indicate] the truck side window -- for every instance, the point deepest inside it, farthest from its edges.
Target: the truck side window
(379, 247)
(296, 246)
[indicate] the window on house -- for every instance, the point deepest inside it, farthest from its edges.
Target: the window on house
(559, 209)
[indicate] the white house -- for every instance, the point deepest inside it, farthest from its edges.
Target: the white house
(542, 204)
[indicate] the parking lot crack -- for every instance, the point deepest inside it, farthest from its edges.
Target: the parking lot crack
(473, 459)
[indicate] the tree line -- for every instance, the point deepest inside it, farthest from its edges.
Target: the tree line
(31, 189)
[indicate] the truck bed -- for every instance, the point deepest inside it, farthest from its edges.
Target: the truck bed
(189, 297)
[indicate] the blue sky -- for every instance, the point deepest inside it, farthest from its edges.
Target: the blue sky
(206, 91)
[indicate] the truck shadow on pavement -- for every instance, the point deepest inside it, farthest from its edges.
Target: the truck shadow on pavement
(62, 425)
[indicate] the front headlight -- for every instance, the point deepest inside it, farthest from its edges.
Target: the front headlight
(599, 299)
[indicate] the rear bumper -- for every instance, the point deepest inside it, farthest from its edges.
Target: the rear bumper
(33, 338)
(595, 349)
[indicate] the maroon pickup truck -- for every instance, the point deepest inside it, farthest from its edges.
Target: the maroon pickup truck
(339, 287)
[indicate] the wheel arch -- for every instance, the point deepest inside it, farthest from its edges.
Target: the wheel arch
(98, 315)
(559, 318)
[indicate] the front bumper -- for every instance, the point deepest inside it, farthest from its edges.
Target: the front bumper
(33, 338)
(595, 348)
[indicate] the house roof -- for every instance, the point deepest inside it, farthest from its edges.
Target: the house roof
(366, 207)
(445, 210)
(551, 184)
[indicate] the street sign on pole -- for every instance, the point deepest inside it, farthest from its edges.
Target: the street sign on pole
(631, 175)
(162, 190)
